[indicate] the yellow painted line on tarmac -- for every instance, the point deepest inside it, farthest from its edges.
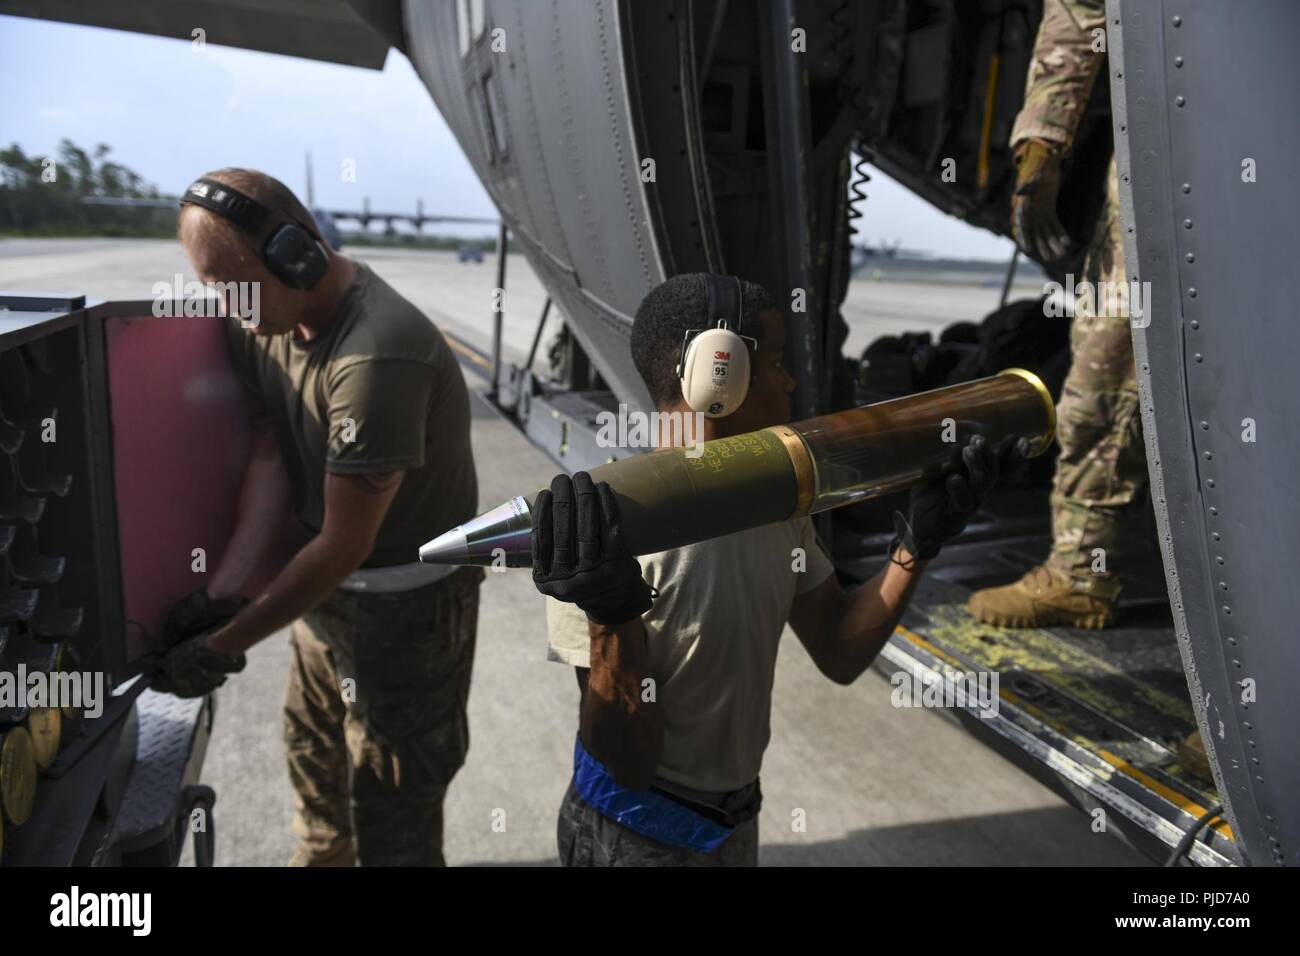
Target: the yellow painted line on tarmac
(464, 350)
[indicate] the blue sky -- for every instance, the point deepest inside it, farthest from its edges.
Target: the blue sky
(171, 112)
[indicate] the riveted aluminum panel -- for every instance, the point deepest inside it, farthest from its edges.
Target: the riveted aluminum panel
(541, 110)
(1205, 96)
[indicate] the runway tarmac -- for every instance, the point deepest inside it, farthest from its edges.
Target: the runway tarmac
(457, 296)
(848, 778)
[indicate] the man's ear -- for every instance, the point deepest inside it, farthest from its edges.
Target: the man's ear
(754, 349)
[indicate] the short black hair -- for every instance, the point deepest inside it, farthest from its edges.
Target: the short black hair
(663, 318)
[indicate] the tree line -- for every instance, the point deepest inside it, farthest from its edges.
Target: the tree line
(43, 194)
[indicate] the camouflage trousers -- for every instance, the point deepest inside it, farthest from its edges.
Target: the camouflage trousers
(374, 721)
(587, 837)
(1102, 466)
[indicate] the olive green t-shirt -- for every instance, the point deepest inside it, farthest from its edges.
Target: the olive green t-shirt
(376, 392)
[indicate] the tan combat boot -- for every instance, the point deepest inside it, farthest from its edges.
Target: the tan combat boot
(1043, 597)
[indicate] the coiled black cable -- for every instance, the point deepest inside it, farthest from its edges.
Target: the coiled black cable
(1185, 844)
(859, 179)
(844, 26)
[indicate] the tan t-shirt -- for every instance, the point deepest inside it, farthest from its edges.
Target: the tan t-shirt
(378, 391)
(712, 637)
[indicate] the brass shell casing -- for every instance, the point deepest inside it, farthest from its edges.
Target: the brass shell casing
(17, 775)
(45, 724)
(65, 661)
(1041, 442)
(873, 450)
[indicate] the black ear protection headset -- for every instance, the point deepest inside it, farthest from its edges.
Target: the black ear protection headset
(714, 365)
(293, 252)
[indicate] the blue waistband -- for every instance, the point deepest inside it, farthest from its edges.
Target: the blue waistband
(643, 811)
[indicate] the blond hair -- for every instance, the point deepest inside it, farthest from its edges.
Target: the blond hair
(268, 191)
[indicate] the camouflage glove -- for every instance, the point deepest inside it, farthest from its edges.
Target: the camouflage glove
(193, 669)
(196, 613)
(946, 499)
(1034, 221)
(578, 552)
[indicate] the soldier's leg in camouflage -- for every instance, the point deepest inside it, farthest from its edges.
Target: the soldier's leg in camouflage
(313, 739)
(407, 730)
(1102, 465)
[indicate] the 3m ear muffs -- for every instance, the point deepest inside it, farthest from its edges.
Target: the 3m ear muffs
(294, 253)
(714, 365)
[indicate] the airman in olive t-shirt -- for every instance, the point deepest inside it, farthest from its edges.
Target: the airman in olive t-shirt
(378, 391)
(359, 418)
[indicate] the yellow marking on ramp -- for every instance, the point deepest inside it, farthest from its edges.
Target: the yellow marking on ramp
(1187, 805)
(462, 349)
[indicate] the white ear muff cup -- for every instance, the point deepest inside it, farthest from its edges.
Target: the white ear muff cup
(715, 372)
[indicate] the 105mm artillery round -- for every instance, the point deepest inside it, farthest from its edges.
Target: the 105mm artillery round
(678, 496)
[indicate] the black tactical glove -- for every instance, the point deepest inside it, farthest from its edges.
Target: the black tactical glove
(196, 613)
(578, 552)
(945, 499)
(1034, 220)
(193, 669)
